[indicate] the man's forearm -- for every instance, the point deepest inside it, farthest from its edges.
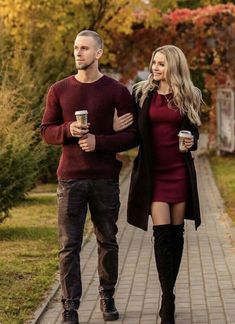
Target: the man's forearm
(117, 142)
(56, 134)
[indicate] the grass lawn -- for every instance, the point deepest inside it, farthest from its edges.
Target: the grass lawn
(224, 172)
(28, 255)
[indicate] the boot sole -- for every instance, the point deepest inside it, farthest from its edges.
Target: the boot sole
(111, 317)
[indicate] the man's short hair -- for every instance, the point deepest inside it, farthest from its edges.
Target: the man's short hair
(94, 35)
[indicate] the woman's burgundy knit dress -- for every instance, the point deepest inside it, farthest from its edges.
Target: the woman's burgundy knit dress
(170, 177)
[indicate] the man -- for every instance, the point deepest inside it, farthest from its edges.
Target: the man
(88, 170)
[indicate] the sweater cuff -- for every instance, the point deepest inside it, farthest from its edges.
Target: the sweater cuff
(67, 129)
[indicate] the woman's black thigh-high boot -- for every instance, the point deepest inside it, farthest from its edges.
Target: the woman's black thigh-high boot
(163, 249)
(178, 245)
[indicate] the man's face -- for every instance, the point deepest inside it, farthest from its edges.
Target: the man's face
(86, 52)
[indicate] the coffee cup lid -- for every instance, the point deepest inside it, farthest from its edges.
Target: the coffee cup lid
(81, 112)
(185, 133)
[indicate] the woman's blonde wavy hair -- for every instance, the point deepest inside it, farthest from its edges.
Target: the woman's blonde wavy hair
(186, 96)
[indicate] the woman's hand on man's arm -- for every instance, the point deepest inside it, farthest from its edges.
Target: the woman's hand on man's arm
(122, 122)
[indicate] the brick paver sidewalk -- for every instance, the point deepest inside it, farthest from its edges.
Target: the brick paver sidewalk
(205, 287)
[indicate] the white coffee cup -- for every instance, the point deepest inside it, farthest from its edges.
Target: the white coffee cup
(81, 117)
(182, 135)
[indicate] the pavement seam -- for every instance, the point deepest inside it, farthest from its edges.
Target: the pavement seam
(133, 278)
(188, 275)
(203, 279)
(221, 203)
(146, 286)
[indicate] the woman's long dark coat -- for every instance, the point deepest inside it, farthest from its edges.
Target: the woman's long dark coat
(139, 201)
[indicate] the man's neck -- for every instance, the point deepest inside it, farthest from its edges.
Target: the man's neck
(88, 76)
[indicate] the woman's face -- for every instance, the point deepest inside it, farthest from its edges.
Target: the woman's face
(159, 67)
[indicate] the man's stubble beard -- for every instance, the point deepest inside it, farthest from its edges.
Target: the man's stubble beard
(84, 66)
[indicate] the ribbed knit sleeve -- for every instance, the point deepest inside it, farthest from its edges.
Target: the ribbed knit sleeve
(123, 140)
(53, 129)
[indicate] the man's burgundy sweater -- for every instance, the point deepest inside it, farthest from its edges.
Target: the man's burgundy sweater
(100, 98)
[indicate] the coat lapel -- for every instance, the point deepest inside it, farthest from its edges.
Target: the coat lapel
(143, 115)
(144, 128)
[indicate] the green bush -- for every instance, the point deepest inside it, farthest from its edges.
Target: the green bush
(49, 164)
(20, 156)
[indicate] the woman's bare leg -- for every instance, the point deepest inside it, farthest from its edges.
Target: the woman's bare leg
(160, 212)
(177, 213)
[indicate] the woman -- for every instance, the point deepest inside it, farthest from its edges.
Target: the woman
(163, 181)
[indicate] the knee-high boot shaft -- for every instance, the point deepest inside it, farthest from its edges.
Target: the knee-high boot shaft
(178, 245)
(168, 247)
(163, 249)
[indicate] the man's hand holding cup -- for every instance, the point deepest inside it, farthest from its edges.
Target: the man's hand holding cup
(78, 130)
(80, 127)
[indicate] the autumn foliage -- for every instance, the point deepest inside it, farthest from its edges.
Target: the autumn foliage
(207, 37)
(38, 36)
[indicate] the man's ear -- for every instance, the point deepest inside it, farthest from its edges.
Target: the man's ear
(99, 53)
